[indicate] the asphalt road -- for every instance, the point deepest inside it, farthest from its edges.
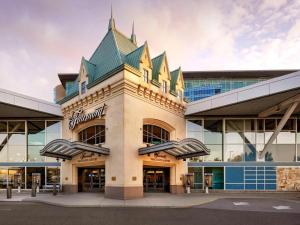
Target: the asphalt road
(26, 213)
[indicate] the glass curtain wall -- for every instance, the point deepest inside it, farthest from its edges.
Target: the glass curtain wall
(21, 141)
(244, 139)
(210, 133)
(198, 89)
(36, 140)
(16, 139)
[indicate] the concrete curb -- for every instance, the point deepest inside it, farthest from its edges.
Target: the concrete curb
(120, 205)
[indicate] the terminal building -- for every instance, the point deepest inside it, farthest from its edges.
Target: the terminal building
(123, 125)
(26, 125)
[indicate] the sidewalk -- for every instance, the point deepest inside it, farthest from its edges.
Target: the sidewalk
(149, 200)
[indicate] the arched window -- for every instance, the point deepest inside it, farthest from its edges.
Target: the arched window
(93, 135)
(155, 135)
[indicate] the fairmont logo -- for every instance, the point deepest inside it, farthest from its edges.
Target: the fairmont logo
(78, 116)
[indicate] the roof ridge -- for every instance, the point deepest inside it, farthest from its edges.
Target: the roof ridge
(124, 36)
(142, 46)
(159, 55)
(88, 61)
(118, 50)
(100, 44)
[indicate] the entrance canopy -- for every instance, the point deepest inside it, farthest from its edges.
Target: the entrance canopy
(65, 149)
(183, 149)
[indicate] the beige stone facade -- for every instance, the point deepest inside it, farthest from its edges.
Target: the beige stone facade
(131, 103)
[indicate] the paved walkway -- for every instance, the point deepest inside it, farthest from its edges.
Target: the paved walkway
(149, 200)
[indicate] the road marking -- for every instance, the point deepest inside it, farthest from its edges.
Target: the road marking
(280, 207)
(240, 203)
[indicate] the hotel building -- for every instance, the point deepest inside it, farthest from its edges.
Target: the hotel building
(122, 126)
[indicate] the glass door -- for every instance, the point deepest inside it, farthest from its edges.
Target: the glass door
(156, 179)
(91, 179)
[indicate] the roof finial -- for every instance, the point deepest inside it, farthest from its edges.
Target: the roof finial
(111, 24)
(133, 37)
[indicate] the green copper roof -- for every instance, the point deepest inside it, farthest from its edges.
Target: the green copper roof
(157, 62)
(91, 68)
(133, 58)
(111, 53)
(174, 78)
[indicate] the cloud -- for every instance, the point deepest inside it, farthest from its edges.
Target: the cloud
(49, 37)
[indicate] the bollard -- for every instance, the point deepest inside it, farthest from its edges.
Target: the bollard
(54, 189)
(33, 190)
(188, 190)
(9, 192)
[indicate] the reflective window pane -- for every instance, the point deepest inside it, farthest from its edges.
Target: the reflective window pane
(16, 139)
(53, 130)
(53, 175)
(154, 134)
(213, 133)
(3, 147)
(3, 178)
(16, 126)
(36, 173)
(16, 177)
(195, 129)
(16, 147)
(281, 153)
(234, 153)
(270, 124)
(3, 126)
(215, 153)
(93, 135)
(34, 153)
(234, 131)
(17, 153)
(286, 137)
(36, 132)
(250, 152)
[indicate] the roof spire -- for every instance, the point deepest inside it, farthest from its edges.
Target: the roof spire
(133, 37)
(111, 24)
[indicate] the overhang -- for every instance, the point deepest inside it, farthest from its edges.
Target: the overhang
(185, 148)
(15, 105)
(64, 149)
(235, 74)
(250, 100)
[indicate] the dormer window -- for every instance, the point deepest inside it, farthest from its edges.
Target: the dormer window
(83, 87)
(164, 86)
(146, 76)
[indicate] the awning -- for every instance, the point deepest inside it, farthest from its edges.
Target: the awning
(186, 148)
(64, 149)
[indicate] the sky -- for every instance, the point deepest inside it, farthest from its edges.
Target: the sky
(41, 38)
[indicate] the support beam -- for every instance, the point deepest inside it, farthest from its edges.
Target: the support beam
(280, 107)
(281, 124)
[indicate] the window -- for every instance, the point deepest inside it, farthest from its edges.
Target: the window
(36, 140)
(146, 76)
(83, 87)
(179, 94)
(93, 135)
(164, 86)
(155, 135)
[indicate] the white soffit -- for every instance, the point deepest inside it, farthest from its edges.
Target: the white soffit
(262, 89)
(13, 99)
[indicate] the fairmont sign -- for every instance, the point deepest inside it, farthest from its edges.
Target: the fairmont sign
(79, 117)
